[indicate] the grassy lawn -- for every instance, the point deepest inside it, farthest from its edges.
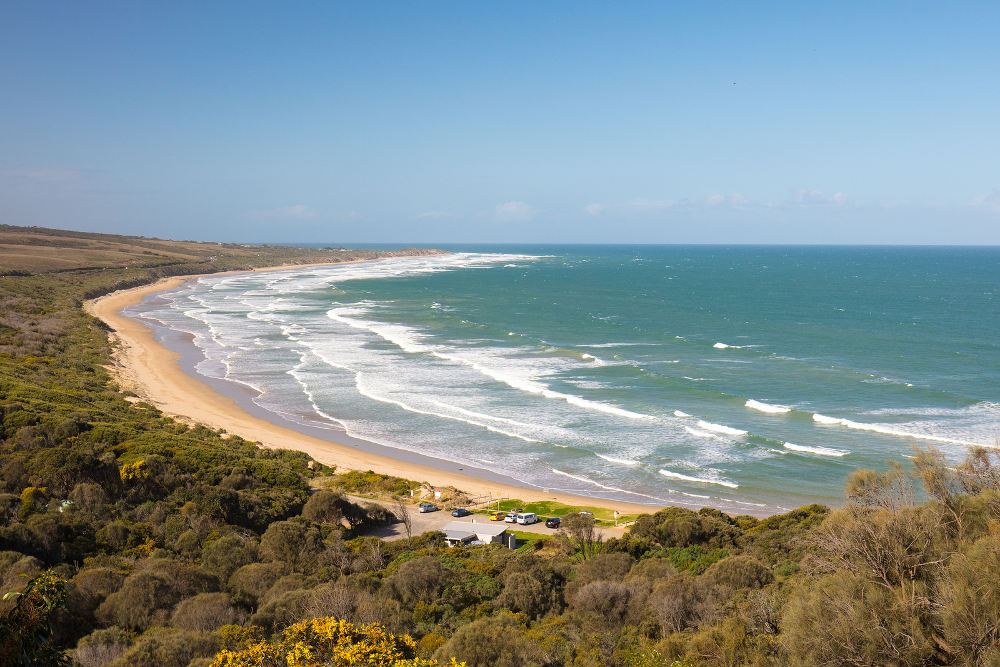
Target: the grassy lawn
(547, 508)
(525, 540)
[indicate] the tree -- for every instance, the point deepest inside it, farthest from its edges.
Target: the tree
(294, 542)
(418, 580)
(581, 528)
(523, 593)
(402, 512)
(842, 619)
(970, 614)
(25, 630)
(225, 555)
(325, 507)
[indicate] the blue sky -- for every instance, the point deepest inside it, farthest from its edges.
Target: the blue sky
(504, 122)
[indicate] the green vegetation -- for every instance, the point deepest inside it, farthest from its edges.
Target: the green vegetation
(127, 538)
(368, 483)
(547, 508)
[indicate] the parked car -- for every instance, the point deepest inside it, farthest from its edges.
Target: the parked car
(497, 516)
(461, 511)
(427, 507)
(511, 517)
(553, 522)
(527, 518)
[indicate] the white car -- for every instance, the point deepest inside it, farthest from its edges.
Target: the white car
(427, 507)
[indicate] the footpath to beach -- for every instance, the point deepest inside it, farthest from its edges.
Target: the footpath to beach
(154, 373)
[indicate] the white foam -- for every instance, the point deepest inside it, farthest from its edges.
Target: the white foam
(532, 386)
(585, 480)
(719, 428)
(822, 451)
(699, 434)
(590, 357)
(406, 338)
(365, 389)
(767, 407)
(301, 279)
(723, 346)
(681, 413)
(701, 480)
(409, 340)
(480, 415)
(823, 419)
(889, 430)
(611, 459)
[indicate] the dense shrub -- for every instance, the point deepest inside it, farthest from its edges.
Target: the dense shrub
(493, 641)
(419, 580)
(205, 611)
(739, 572)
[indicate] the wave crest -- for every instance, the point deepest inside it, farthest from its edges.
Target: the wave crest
(700, 480)
(767, 407)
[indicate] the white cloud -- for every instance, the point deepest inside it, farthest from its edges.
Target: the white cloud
(294, 212)
(734, 200)
(514, 211)
(807, 197)
(435, 215)
(634, 206)
(989, 201)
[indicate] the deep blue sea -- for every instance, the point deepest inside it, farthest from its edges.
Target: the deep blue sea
(746, 378)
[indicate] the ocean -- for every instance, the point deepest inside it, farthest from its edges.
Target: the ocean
(753, 379)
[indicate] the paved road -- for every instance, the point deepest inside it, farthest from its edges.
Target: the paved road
(422, 523)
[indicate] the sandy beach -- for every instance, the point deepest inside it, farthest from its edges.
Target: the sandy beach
(154, 373)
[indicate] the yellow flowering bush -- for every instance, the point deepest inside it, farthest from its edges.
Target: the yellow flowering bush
(330, 642)
(137, 470)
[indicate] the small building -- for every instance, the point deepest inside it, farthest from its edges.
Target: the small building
(461, 533)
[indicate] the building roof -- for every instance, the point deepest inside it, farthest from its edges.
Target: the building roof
(491, 529)
(459, 535)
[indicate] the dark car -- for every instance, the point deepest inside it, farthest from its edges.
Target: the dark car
(461, 511)
(553, 522)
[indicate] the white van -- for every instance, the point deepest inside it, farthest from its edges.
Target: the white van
(527, 518)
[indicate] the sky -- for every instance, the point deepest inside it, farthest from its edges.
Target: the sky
(519, 122)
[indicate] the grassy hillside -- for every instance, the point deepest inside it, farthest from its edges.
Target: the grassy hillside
(37, 250)
(137, 540)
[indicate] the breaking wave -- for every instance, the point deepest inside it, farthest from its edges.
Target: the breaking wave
(701, 480)
(822, 451)
(767, 407)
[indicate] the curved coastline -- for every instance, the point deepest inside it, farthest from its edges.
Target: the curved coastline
(157, 374)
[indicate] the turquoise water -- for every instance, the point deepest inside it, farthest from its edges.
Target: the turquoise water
(748, 378)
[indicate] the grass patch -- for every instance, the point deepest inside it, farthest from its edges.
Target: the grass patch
(526, 540)
(547, 508)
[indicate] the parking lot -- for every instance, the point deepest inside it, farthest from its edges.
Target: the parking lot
(421, 523)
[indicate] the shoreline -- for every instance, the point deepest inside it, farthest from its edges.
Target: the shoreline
(156, 374)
